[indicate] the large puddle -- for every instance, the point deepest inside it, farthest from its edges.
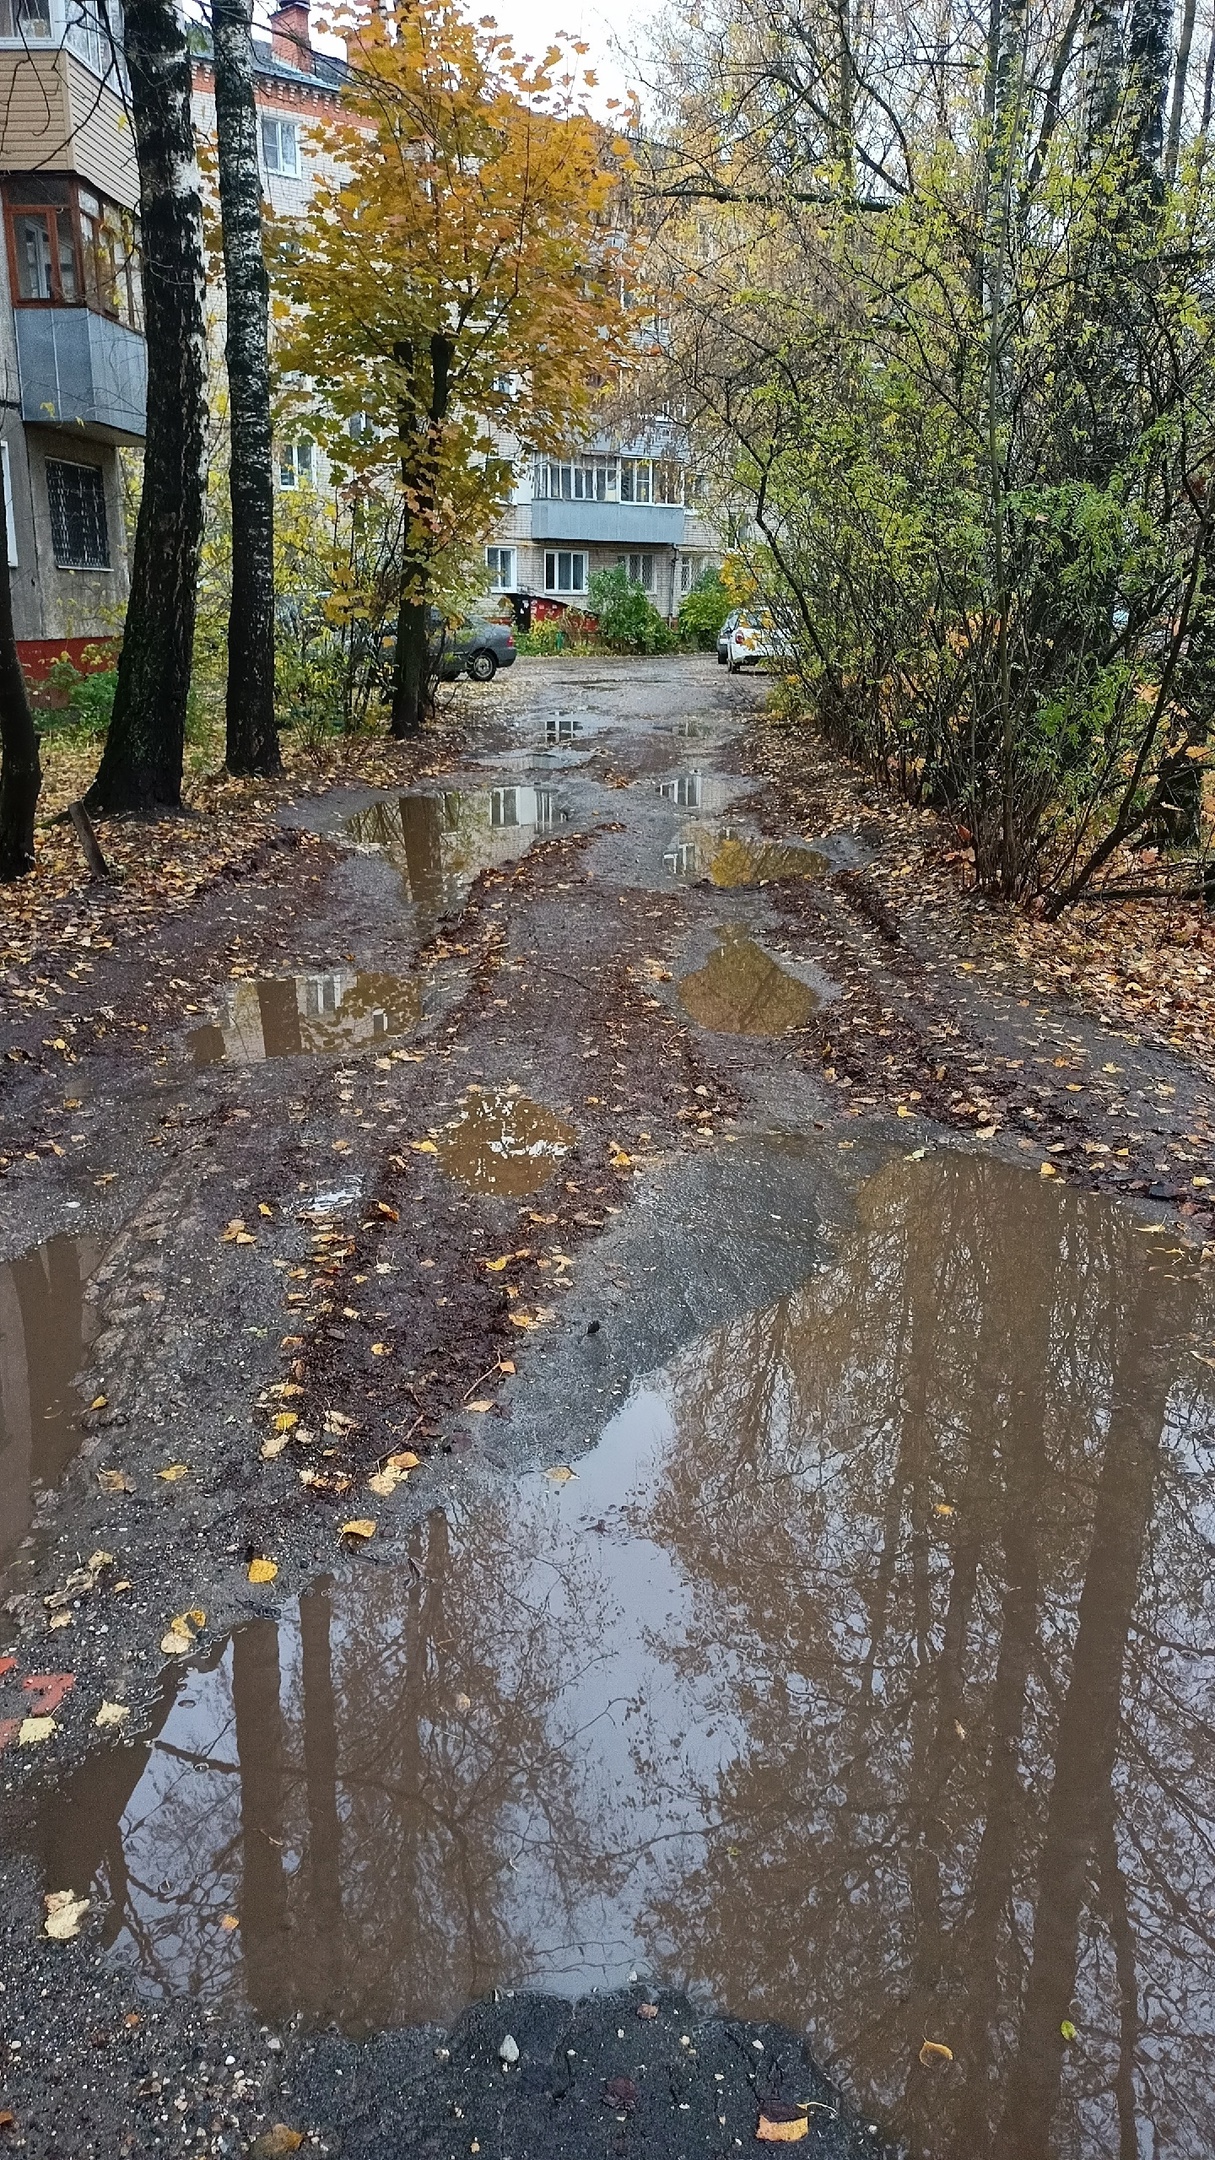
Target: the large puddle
(299, 1015)
(861, 1678)
(440, 842)
(45, 1330)
(730, 859)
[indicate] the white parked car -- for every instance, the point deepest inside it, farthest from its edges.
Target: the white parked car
(754, 637)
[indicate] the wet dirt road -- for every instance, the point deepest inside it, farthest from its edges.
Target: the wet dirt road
(788, 1609)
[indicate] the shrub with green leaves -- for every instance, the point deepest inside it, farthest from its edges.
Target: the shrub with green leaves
(703, 610)
(628, 620)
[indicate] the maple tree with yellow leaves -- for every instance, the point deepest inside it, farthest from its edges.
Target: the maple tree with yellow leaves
(454, 293)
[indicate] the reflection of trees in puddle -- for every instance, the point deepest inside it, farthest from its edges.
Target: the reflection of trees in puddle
(949, 1508)
(364, 1786)
(332, 1010)
(45, 1329)
(441, 842)
(741, 990)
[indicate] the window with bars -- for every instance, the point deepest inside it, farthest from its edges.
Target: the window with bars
(79, 531)
(640, 569)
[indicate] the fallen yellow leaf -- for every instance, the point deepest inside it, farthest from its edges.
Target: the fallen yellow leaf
(381, 1349)
(481, 1405)
(99, 1402)
(271, 1448)
(64, 1913)
(780, 2124)
(229, 1922)
(423, 1147)
(561, 1476)
(496, 1266)
(114, 1481)
(405, 1459)
(33, 1729)
(385, 1481)
(173, 1472)
(934, 2051)
(1048, 1170)
(361, 1527)
(262, 1570)
(262, 1209)
(285, 1420)
(112, 1713)
(506, 1364)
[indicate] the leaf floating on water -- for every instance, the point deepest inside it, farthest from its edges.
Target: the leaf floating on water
(229, 1923)
(112, 1713)
(263, 1570)
(463, 1704)
(943, 1507)
(64, 1913)
(1067, 2029)
(181, 1632)
(935, 2051)
(1048, 1170)
(423, 1147)
(361, 1527)
(562, 1475)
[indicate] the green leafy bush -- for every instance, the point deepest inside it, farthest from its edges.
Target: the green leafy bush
(702, 612)
(628, 620)
(89, 700)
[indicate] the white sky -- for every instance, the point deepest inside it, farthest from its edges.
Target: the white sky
(534, 24)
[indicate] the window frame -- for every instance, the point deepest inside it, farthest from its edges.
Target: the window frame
(572, 556)
(501, 581)
(277, 122)
(105, 262)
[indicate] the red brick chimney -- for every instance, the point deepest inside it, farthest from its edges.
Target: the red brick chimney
(290, 41)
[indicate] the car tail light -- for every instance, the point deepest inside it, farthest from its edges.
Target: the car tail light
(510, 642)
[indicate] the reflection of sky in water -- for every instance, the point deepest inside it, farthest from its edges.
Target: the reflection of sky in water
(804, 1690)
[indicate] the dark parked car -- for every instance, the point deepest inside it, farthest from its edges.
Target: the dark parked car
(723, 637)
(474, 646)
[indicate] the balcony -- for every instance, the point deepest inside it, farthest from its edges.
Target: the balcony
(81, 370)
(612, 524)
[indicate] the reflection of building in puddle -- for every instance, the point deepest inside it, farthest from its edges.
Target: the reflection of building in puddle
(441, 842)
(877, 1628)
(741, 990)
(730, 858)
(301, 1015)
(703, 792)
(503, 1143)
(45, 1329)
(561, 728)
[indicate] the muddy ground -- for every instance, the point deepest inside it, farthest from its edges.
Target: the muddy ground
(505, 1147)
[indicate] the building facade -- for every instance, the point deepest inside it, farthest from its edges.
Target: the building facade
(639, 505)
(72, 356)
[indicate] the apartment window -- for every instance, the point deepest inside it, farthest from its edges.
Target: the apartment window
(25, 19)
(88, 33)
(8, 507)
(691, 570)
(281, 147)
(640, 570)
(587, 480)
(668, 483)
(504, 806)
(635, 480)
(738, 528)
(564, 572)
(501, 563)
(79, 533)
(295, 465)
(68, 247)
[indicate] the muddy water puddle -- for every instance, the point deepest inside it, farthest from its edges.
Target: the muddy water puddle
(441, 841)
(502, 1142)
(860, 1678)
(46, 1326)
(333, 1009)
(742, 990)
(731, 859)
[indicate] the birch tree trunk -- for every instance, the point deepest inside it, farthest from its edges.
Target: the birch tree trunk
(141, 768)
(20, 771)
(252, 745)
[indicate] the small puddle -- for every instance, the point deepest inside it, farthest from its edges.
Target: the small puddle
(501, 1142)
(742, 990)
(861, 1678)
(694, 791)
(730, 859)
(440, 842)
(306, 1015)
(46, 1327)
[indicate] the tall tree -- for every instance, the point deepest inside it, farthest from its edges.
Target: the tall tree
(20, 771)
(252, 736)
(456, 284)
(142, 764)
